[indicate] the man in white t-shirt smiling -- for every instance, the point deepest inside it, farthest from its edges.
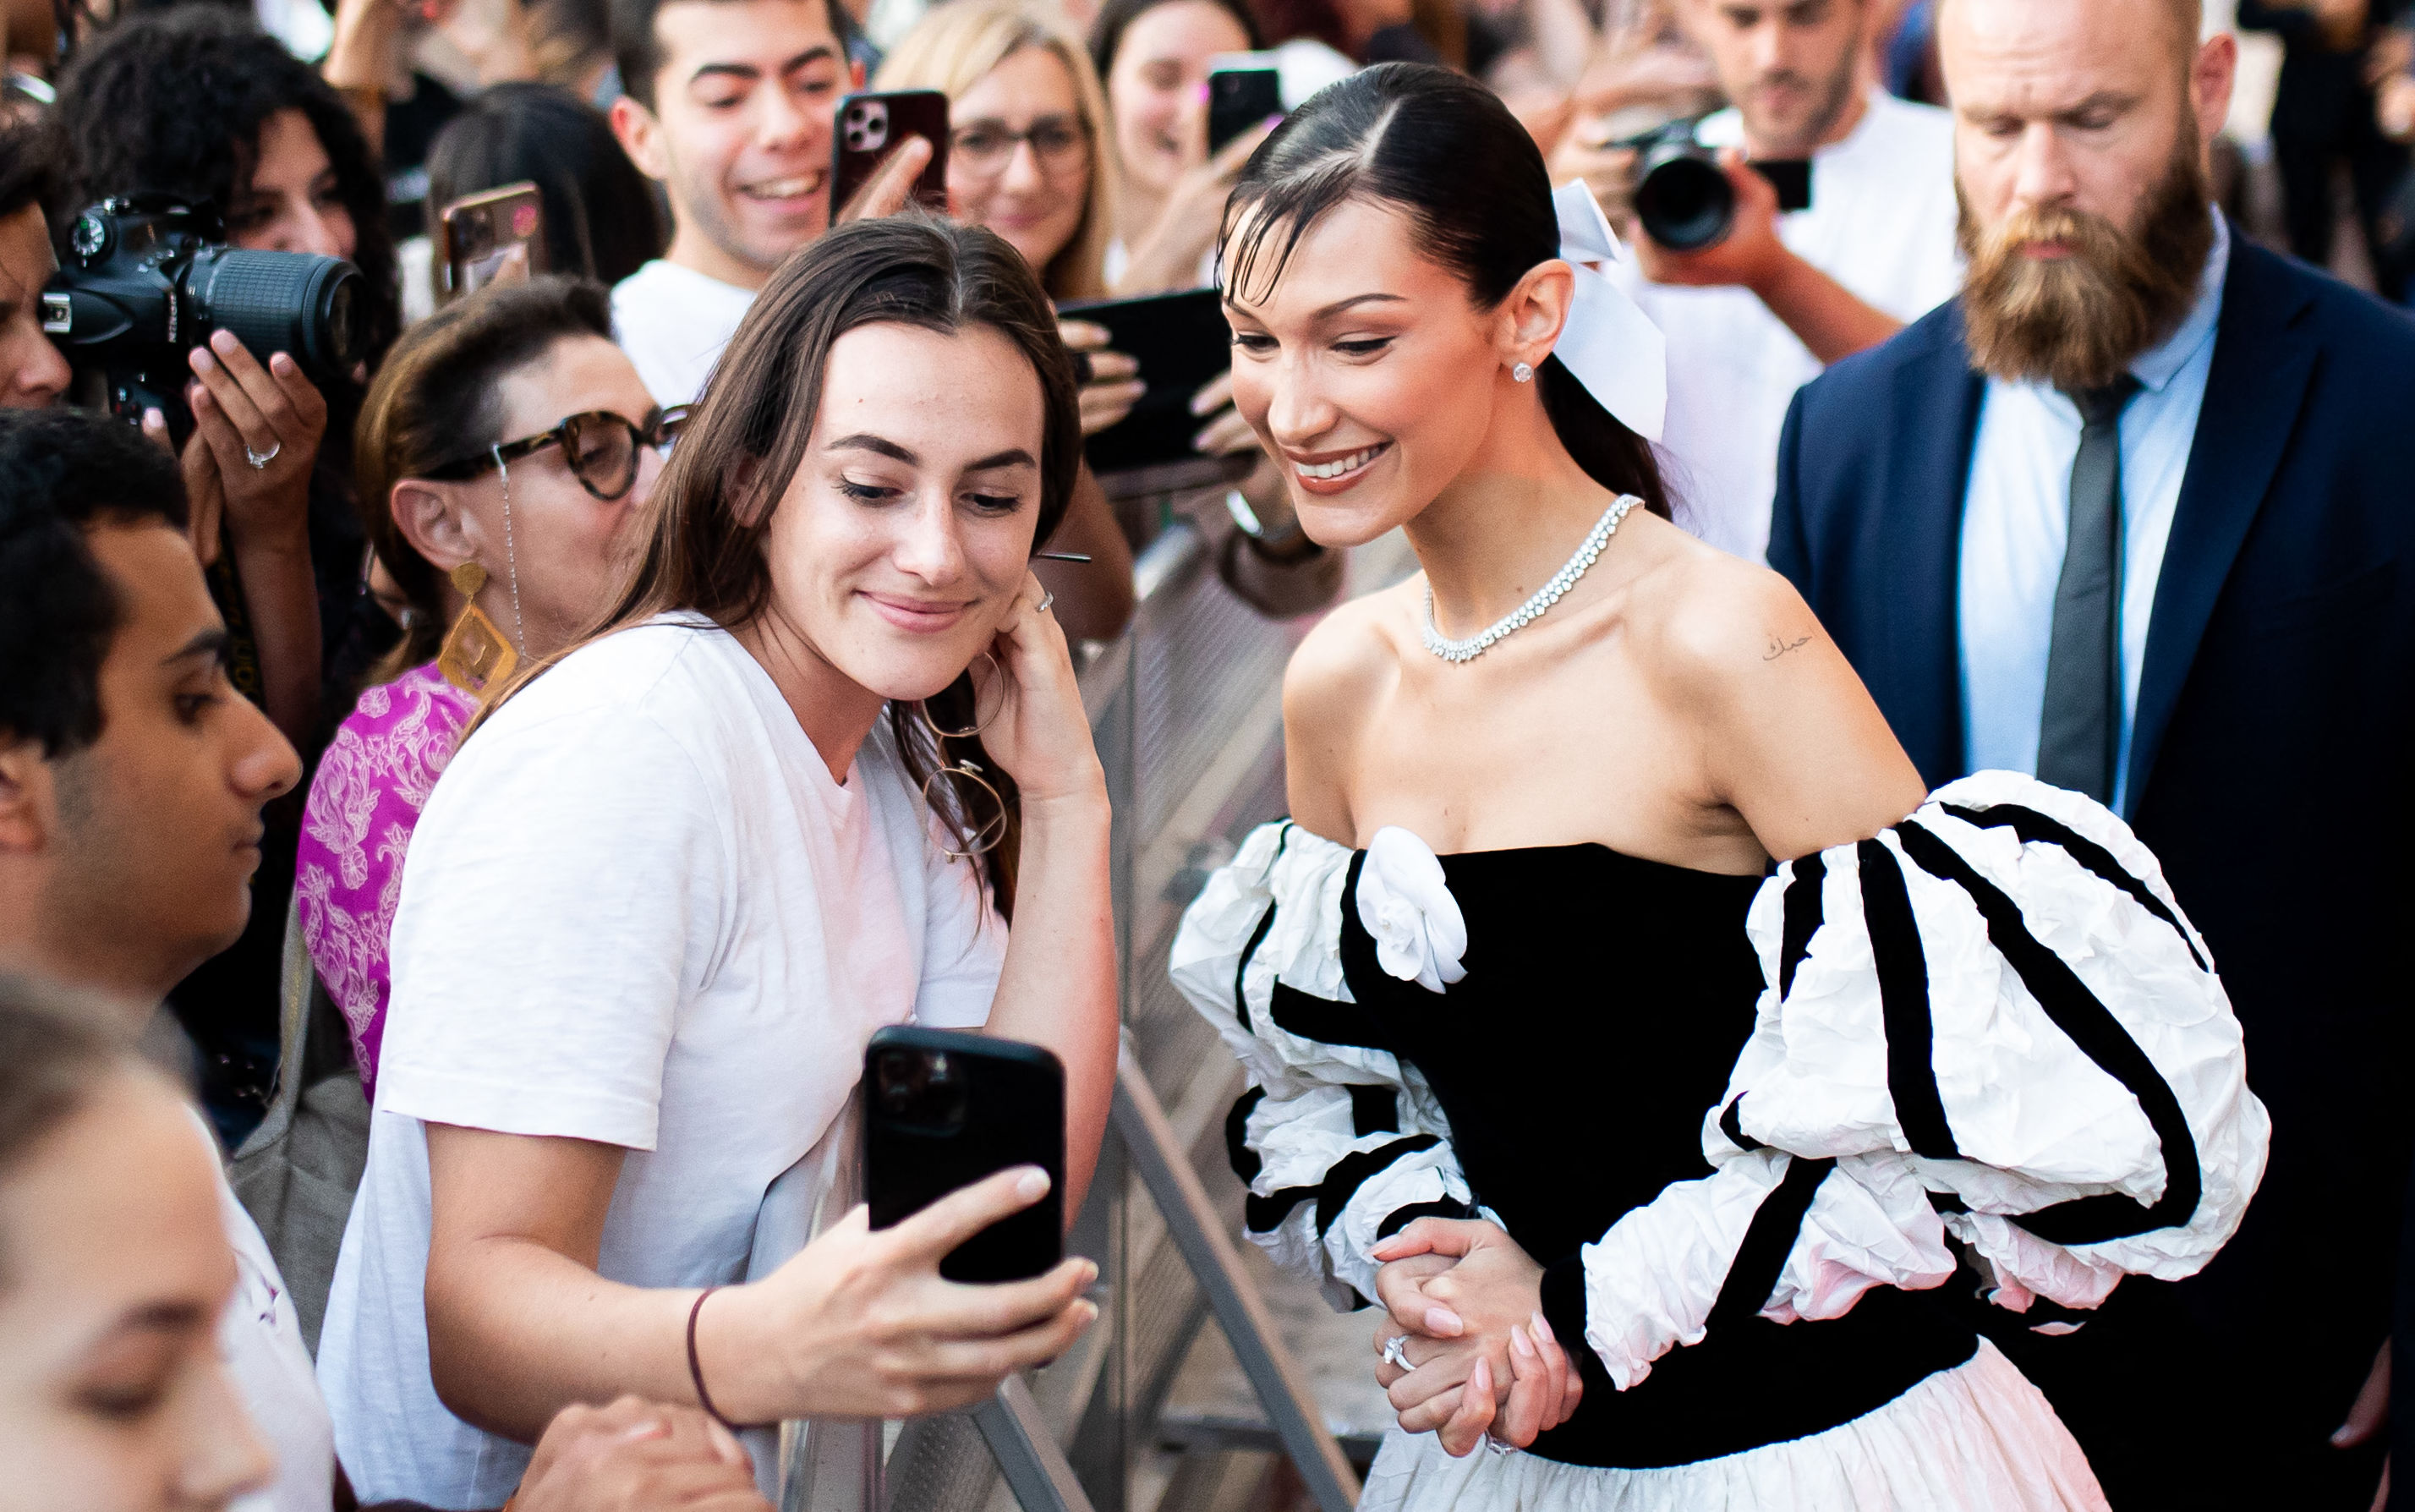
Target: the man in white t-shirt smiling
(729, 107)
(1756, 316)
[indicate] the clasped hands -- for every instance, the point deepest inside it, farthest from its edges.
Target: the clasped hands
(1465, 1306)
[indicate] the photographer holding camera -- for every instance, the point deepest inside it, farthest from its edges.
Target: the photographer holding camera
(201, 158)
(1754, 313)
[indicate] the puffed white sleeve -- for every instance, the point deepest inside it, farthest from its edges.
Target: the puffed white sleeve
(1991, 1023)
(1339, 1144)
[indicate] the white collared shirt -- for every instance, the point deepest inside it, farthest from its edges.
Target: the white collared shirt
(2016, 517)
(1881, 224)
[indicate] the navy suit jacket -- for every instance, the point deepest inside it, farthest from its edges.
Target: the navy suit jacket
(2271, 770)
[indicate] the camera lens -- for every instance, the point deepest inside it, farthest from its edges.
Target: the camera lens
(1684, 201)
(298, 303)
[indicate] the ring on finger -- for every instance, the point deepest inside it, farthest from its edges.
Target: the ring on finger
(260, 459)
(1395, 1353)
(1493, 1445)
(1047, 597)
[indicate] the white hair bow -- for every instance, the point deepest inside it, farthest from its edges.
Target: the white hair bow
(1611, 345)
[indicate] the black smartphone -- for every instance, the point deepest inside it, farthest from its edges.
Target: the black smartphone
(1180, 340)
(1791, 178)
(941, 1110)
(1240, 95)
(870, 126)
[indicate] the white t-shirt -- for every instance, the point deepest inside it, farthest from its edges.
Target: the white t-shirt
(1881, 224)
(259, 1338)
(673, 322)
(638, 911)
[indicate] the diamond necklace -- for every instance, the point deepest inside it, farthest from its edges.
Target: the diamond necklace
(1532, 610)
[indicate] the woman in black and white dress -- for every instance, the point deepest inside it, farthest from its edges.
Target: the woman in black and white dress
(1654, 1159)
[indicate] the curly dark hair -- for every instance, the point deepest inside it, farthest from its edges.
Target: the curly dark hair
(173, 102)
(63, 473)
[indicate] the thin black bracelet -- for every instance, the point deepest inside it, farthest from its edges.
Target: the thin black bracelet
(696, 1367)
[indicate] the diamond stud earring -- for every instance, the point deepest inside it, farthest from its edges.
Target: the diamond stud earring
(1522, 372)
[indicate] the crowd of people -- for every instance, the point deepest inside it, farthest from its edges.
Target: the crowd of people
(1888, 673)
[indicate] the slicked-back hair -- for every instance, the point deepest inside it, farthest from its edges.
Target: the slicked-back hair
(438, 400)
(706, 542)
(1444, 152)
(62, 473)
(638, 49)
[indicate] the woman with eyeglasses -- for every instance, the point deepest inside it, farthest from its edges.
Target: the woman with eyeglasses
(1027, 157)
(827, 743)
(502, 454)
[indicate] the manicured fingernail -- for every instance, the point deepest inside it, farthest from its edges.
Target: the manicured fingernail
(222, 341)
(280, 364)
(1443, 1323)
(1480, 1379)
(1543, 1329)
(2341, 1436)
(153, 417)
(1199, 443)
(202, 360)
(1518, 1342)
(1088, 1311)
(1032, 1183)
(1090, 1271)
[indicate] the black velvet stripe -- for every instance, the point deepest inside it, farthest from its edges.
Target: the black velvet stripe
(1241, 972)
(1264, 1214)
(1803, 913)
(1325, 1021)
(1257, 937)
(1352, 1171)
(1246, 1163)
(1401, 1217)
(1732, 1125)
(1762, 1258)
(2100, 1037)
(2038, 828)
(1903, 1004)
(1374, 1110)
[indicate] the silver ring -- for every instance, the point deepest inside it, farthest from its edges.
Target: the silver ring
(1395, 1352)
(1047, 597)
(260, 459)
(1496, 1446)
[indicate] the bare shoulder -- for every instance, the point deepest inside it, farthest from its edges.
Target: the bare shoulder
(1346, 661)
(1712, 621)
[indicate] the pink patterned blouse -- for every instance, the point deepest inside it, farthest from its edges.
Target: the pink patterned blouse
(364, 804)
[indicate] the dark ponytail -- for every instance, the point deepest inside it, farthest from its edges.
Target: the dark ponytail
(1446, 151)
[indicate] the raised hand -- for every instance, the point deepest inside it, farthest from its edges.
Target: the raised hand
(860, 1324)
(1113, 385)
(1040, 735)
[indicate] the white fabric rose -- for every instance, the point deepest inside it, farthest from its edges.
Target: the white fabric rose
(1407, 905)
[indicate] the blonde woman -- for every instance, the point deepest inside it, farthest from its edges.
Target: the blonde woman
(1030, 156)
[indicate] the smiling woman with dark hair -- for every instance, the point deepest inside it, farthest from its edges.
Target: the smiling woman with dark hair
(828, 738)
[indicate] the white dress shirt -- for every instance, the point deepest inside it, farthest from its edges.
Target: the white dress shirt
(1881, 224)
(2016, 517)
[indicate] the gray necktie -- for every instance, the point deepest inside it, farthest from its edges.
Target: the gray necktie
(2079, 731)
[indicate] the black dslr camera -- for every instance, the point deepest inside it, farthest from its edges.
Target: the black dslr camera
(1682, 198)
(150, 278)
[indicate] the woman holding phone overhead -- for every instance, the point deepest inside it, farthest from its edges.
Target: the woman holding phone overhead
(1658, 1235)
(827, 744)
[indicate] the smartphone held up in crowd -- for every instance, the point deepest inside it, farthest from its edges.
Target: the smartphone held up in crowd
(943, 1109)
(872, 126)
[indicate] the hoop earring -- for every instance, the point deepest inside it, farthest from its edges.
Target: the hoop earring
(987, 837)
(1523, 372)
(474, 656)
(924, 708)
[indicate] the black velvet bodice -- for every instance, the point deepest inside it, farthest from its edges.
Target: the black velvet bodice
(1605, 1003)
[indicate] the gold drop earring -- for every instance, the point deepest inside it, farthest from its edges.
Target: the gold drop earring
(474, 656)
